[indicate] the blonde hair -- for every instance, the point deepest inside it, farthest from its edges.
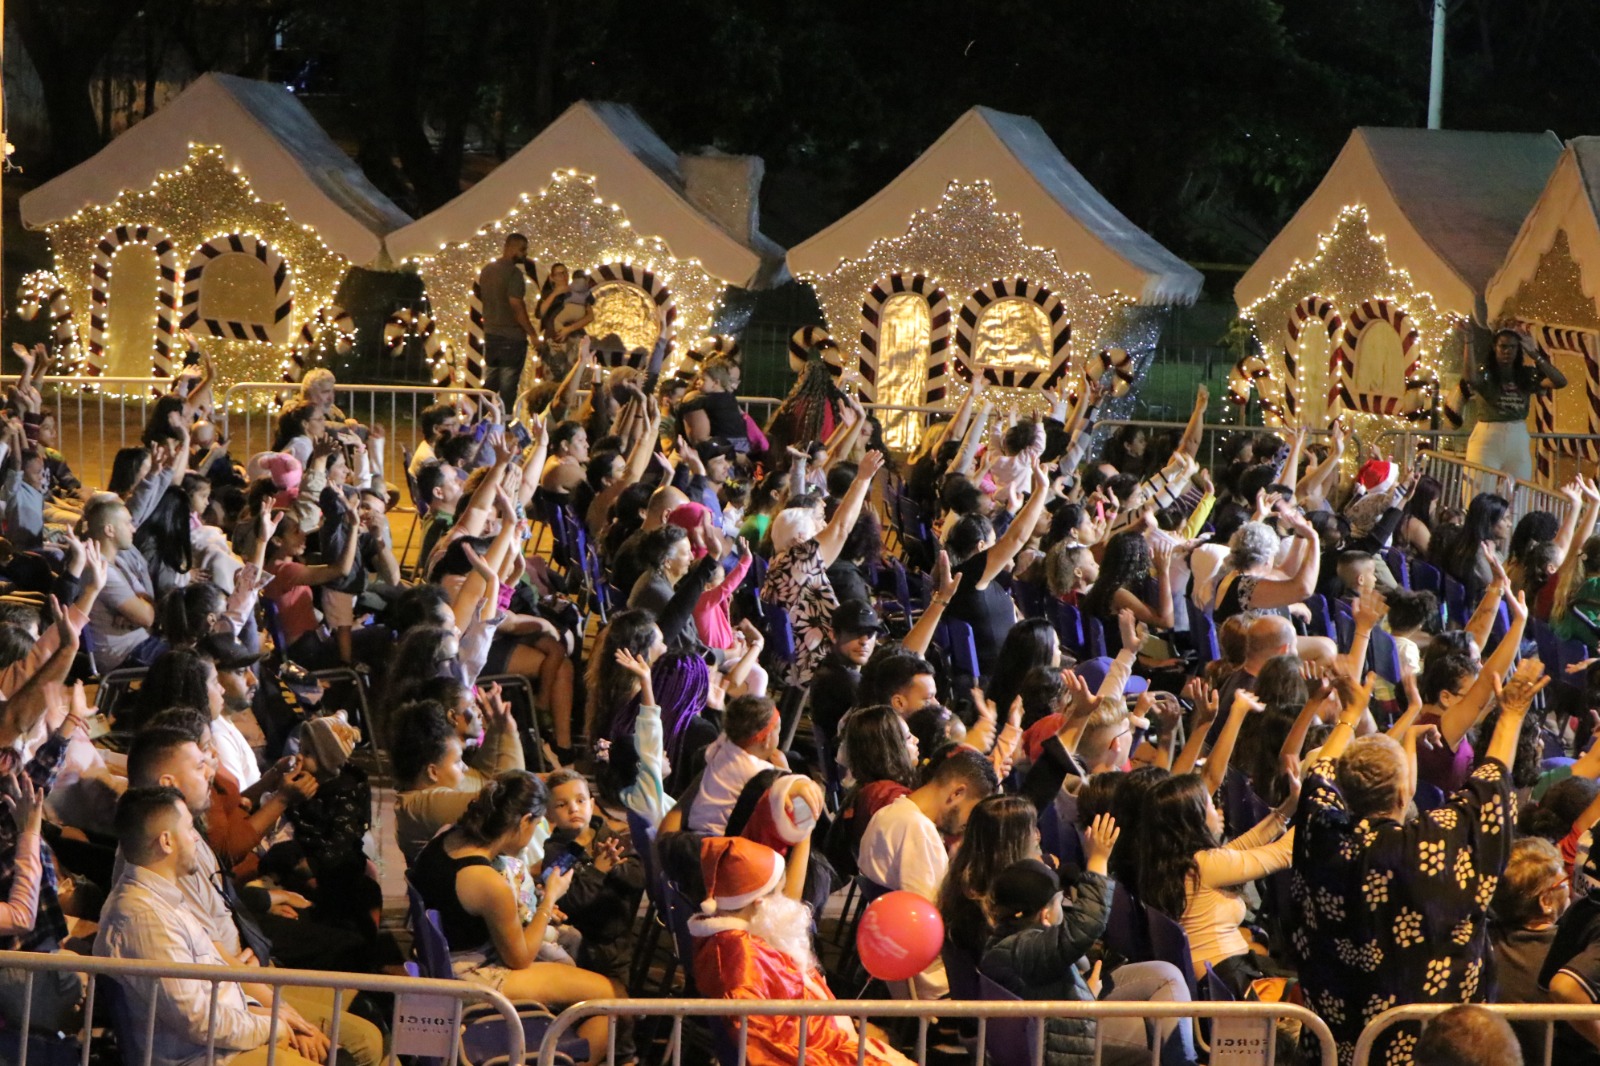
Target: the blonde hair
(1105, 721)
(1372, 775)
(313, 376)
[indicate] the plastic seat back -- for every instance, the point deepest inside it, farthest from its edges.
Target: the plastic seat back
(1010, 1041)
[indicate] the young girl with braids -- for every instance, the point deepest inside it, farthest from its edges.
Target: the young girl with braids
(489, 942)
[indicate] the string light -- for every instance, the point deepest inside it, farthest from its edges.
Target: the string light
(204, 200)
(566, 222)
(1554, 294)
(1351, 266)
(963, 243)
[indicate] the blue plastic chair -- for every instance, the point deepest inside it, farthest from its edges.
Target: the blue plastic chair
(1069, 626)
(962, 971)
(955, 636)
(1009, 1041)
(1169, 943)
(1399, 565)
(1383, 656)
(1203, 635)
(1425, 577)
(1455, 601)
(779, 633)
(1094, 637)
(1321, 617)
(1126, 930)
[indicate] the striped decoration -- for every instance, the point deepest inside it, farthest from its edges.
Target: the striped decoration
(1312, 309)
(693, 358)
(1060, 334)
(939, 316)
(641, 278)
(1555, 339)
(401, 326)
(41, 290)
(245, 244)
(1341, 365)
(808, 337)
(331, 317)
(166, 294)
(1116, 361)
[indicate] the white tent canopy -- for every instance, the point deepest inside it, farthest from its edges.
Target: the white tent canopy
(1447, 202)
(1570, 204)
(632, 167)
(264, 131)
(1028, 175)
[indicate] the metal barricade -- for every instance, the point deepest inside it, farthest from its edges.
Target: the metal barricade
(97, 416)
(1549, 1013)
(459, 992)
(1211, 433)
(1456, 477)
(252, 422)
(925, 1013)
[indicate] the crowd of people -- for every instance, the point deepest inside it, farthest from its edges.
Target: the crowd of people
(1139, 729)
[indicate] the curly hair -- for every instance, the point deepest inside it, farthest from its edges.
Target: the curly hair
(1173, 831)
(1126, 566)
(1251, 545)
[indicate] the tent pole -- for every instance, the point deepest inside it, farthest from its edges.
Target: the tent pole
(1435, 69)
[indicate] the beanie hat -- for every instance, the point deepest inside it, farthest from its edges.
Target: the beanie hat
(737, 872)
(284, 470)
(1024, 888)
(1376, 475)
(331, 745)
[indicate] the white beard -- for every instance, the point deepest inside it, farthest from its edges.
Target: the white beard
(786, 924)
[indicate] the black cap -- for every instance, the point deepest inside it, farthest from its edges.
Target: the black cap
(226, 651)
(853, 618)
(1024, 888)
(712, 447)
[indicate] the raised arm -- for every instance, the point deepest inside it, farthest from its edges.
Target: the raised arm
(962, 463)
(944, 587)
(1244, 705)
(1021, 529)
(1462, 715)
(1370, 610)
(830, 542)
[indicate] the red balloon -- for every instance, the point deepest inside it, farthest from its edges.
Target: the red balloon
(900, 935)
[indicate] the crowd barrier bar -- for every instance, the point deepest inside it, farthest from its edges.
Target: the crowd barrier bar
(1456, 475)
(65, 962)
(81, 401)
(926, 1012)
(397, 407)
(1548, 1013)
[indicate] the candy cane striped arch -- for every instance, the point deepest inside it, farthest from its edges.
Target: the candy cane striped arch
(1019, 288)
(243, 244)
(882, 291)
(1555, 339)
(646, 280)
(1341, 364)
(331, 317)
(41, 290)
(166, 294)
(1311, 311)
(694, 357)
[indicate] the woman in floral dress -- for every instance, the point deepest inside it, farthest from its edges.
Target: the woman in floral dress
(797, 580)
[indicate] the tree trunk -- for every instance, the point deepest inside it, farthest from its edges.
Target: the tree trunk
(66, 49)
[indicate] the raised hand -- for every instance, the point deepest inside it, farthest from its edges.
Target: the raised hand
(943, 582)
(1516, 695)
(1099, 840)
(637, 665)
(1371, 609)
(608, 854)
(25, 802)
(871, 463)
(94, 566)
(1246, 702)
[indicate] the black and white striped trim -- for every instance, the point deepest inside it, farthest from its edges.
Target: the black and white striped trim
(939, 316)
(1018, 288)
(246, 244)
(646, 281)
(808, 337)
(166, 294)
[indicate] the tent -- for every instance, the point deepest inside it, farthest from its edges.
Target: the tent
(229, 212)
(1549, 283)
(663, 234)
(1360, 302)
(989, 254)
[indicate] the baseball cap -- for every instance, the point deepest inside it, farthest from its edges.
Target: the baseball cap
(855, 617)
(227, 652)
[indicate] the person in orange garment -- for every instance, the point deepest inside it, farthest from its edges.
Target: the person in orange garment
(753, 942)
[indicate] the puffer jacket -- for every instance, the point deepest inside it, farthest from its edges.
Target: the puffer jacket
(1038, 962)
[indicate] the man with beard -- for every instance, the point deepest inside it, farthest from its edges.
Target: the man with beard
(147, 917)
(754, 943)
(1393, 906)
(904, 847)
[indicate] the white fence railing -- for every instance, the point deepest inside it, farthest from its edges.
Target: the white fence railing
(97, 416)
(1548, 1013)
(1461, 480)
(415, 1021)
(1253, 1023)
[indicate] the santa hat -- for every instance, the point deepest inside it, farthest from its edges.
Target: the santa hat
(1376, 475)
(773, 821)
(737, 872)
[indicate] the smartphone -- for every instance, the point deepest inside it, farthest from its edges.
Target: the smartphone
(520, 432)
(561, 863)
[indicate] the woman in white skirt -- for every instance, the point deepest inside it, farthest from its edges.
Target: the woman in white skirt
(1502, 387)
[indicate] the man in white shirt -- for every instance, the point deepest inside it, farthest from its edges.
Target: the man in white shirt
(146, 917)
(748, 745)
(903, 847)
